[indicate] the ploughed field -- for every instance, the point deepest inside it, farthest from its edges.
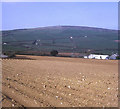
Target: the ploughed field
(37, 81)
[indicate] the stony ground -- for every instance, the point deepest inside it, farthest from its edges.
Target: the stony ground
(59, 82)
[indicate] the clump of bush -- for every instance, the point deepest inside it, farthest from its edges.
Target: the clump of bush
(54, 53)
(118, 57)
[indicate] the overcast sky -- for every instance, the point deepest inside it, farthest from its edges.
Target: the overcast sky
(18, 15)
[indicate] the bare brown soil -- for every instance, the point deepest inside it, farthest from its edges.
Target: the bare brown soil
(59, 82)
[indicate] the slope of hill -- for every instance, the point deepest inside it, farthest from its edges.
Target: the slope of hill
(58, 37)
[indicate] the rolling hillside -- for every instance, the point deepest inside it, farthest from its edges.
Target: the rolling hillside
(82, 39)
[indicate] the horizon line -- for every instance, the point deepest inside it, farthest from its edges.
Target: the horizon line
(57, 26)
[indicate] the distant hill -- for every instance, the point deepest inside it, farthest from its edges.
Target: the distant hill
(58, 37)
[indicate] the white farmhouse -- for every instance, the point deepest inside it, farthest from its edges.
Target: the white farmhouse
(4, 43)
(95, 56)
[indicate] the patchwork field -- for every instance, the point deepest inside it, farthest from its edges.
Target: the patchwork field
(38, 81)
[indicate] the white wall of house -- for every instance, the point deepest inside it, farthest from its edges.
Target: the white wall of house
(85, 57)
(94, 56)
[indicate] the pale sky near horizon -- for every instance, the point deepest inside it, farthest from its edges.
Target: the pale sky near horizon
(60, 0)
(18, 15)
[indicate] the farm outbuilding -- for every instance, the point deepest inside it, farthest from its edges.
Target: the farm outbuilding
(114, 56)
(95, 56)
